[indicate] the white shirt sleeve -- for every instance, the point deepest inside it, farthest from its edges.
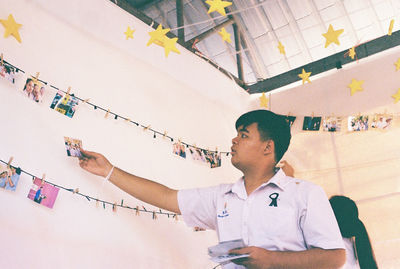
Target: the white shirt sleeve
(198, 207)
(319, 225)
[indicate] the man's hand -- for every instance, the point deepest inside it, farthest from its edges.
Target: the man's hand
(259, 257)
(95, 163)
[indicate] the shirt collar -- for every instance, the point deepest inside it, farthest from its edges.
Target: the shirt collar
(279, 179)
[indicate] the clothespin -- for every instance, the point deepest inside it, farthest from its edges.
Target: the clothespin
(75, 190)
(86, 100)
(68, 90)
(144, 208)
(165, 134)
(2, 59)
(194, 145)
(146, 128)
(114, 207)
(97, 202)
(9, 162)
(154, 215)
(216, 149)
(179, 141)
(43, 177)
(108, 112)
(312, 115)
(137, 210)
(127, 119)
(176, 217)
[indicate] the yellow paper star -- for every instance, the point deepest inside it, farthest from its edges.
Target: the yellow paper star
(397, 64)
(157, 36)
(218, 5)
(281, 48)
(225, 35)
(264, 100)
(396, 96)
(170, 45)
(11, 27)
(352, 52)
(355, 85)
(129, 33)
(332, 36)
(305, 76)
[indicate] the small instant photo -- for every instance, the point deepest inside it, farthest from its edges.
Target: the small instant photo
(73, 146)
(43, 193)
(213, 158)
(65, 104)
(9, 177)
(34, 90)
(290, 120)
(7, 72)
(332, 124)
(197, 154)
(381, 122)
(311, 123)
(179, 149)
(357, 123)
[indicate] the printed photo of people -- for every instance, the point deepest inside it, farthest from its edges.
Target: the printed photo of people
(290, 120)
(73, 146)
(357, 123)
(331, 124)
(311, 123)
(197, 154)
(7, 72)
(65, 104)
(34, 89)
(9, 177)
(213, 158)
(43, 193)
(179, 149)
(381, 122)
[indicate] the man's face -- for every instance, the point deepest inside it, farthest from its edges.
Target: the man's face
(247, 147)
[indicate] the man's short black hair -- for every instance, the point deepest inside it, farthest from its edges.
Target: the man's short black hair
(271, 126)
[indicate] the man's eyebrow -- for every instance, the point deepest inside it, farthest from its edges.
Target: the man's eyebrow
(243, 129)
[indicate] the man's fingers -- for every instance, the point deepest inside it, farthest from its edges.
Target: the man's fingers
(239, 251)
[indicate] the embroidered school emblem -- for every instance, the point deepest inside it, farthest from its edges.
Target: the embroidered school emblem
(224, 212)
(274, 199)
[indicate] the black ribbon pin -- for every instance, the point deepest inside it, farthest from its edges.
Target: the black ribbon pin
(274, 198)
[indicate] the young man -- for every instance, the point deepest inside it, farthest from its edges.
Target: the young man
(285, 222)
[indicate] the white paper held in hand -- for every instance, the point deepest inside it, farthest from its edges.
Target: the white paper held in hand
(220, 253)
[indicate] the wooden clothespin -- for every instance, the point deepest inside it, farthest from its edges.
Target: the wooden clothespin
(194, 145)
(86, 100)
(146, 128)
(97, 202)
(165, 134)
(127, 119)
(312, 114)
(176, 217)
(107, 113)
(216, 149)
(114, 207)
(68, 90)
(154, 215)
(137, 210)
(2, 59)
(9, 162)
(75, 190)
(179, 141)
(36, 78)
(43, 177)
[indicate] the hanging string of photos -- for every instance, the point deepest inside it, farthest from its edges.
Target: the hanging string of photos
(71, 100)
(45, 192)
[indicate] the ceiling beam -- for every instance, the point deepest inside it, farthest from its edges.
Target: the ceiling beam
(367, 49)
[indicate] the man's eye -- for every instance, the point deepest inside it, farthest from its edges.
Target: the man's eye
(243, 136)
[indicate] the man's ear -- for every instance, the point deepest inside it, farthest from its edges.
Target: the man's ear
(269, 147)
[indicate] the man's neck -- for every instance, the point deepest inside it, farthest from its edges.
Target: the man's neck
(253, 180)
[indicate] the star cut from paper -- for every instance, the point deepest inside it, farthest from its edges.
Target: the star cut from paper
(11, 27)
(355, 85)
(281, 48)
(225, 35)
(332, 36)
(170, 45)
(218, 5)
(396, 96)
(263, 100)
(157, 36)
(397, 64)
(352, 52)
(129, 33)
(305, 76)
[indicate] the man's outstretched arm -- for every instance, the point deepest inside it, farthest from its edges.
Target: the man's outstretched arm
(143, 189)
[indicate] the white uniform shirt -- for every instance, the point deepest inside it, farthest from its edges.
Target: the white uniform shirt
(284, 214)
(351, 259)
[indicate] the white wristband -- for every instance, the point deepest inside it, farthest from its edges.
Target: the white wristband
(109, 174)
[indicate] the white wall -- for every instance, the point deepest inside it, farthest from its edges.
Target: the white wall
(73, 44)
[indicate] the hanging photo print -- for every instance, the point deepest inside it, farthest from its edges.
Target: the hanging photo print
(381, 122)
(357, 123)
(213, 158)
(43, 193)
(197, 155)
(311, 123)
(179, 149)
(290, 120)
(7, 72)
(34, 89)
(65, 104)
(73, 146)
(331, 124)
(9, 177)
